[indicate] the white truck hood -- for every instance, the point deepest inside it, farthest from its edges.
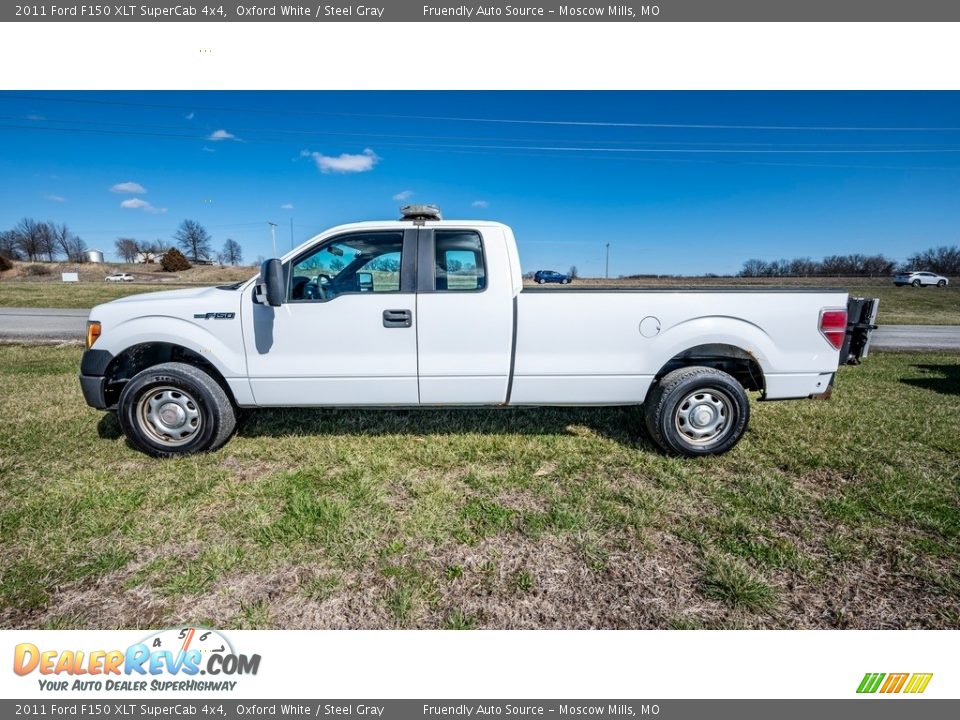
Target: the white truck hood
(167, 295)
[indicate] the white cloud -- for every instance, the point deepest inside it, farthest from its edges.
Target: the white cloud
(35, 118)
(403, 195)
(345, 162)
(190, 116)
(131, 188)
(480, 204)
(206, 149)
(55, 198)
(139, 204)
(218, 135)
(287, 206)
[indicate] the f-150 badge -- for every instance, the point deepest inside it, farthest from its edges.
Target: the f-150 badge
(214, 316)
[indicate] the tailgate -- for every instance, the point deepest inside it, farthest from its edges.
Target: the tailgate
(861, 322)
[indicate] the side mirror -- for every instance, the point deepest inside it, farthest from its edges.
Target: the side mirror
(365, 281)
(271, 286)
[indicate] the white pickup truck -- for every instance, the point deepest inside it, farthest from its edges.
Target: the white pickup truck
(423, 312)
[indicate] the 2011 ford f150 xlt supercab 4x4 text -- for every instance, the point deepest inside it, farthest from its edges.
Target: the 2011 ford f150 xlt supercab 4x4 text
(424, 312)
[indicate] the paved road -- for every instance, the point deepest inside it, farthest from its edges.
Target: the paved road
(43, 324)
(53, 324)
(917, 337)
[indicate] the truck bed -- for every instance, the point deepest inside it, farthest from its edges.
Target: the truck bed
(606, 345)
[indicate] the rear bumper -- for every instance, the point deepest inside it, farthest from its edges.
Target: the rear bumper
(790, 386)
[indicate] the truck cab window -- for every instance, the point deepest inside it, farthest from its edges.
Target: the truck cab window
(359, 263)
(459, 261)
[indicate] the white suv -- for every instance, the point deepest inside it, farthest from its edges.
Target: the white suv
(119, 277)
(918, 278)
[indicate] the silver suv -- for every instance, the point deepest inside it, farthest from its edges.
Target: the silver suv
(918, 278)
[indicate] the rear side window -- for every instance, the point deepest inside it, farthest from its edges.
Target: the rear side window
(459, 261)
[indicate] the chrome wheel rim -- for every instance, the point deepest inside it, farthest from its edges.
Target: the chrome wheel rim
(169, 416)
(704, 416)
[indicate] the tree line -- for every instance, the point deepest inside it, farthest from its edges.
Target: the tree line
(191, 237)
(34, 241)
(38, 240)
(944, 260)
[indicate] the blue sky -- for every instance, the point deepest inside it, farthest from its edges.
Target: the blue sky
(676, 182)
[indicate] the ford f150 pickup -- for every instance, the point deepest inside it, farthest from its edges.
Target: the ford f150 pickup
(425, 312)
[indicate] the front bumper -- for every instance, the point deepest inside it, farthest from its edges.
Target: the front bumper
(93, 381)
(93, 391)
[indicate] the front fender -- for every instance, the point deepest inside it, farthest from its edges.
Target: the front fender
(223, 349)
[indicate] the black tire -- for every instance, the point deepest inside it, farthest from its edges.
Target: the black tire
(942, 283)
(916, 283)
(190, 395)
(684, 391)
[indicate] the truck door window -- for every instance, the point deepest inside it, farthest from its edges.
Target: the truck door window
(459, 261)
(359, 263)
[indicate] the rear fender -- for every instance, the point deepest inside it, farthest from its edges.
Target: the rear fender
(714, 330)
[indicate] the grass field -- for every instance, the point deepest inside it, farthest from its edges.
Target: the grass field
(839, 514)
(898, 306)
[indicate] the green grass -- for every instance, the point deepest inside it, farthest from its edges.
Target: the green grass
(72, 295)
(839, 514)
(898, 306)
(914, 306)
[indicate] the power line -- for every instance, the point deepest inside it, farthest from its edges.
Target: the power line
(513, 121)
(555, 148)
(327, 133)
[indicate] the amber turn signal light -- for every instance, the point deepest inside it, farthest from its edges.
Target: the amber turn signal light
(93, 332)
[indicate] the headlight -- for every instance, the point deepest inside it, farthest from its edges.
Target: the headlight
(93, 332)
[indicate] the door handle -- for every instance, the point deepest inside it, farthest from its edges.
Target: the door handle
(397, 318)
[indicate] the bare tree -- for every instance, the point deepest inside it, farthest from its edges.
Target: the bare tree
(48, 241)
(127, 249)
(78, 249)
(232, 253)
(30, 238)
(10, 245)
(753, 268)
(573, 272)
(70, 244)
(944, 260)
(194, 240)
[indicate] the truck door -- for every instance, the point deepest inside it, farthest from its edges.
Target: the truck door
(465, 317)
(346, 334)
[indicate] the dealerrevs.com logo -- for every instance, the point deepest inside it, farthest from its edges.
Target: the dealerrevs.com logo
(180, 659)
(910, 683)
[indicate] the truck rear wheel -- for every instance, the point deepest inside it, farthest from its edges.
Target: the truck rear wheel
(696, 411)
(175, 409)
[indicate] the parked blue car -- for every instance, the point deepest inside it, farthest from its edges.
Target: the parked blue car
(550, 276)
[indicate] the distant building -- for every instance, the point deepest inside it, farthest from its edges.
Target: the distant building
(148, 258)
(94, 256)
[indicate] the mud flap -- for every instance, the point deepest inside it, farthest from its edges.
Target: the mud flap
(861, 322)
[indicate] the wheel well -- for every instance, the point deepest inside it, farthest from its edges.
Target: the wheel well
(137, 358)
(735, 361)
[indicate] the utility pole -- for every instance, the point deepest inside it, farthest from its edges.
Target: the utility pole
(607, 274)
(273, 235)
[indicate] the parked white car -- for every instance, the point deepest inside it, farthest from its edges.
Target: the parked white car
(919, 279)
(119, 277)
(423, 312)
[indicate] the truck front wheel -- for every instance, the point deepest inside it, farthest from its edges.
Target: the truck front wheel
(696, 411)
(175, 409)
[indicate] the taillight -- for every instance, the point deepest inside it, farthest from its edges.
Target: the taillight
(833, 326)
